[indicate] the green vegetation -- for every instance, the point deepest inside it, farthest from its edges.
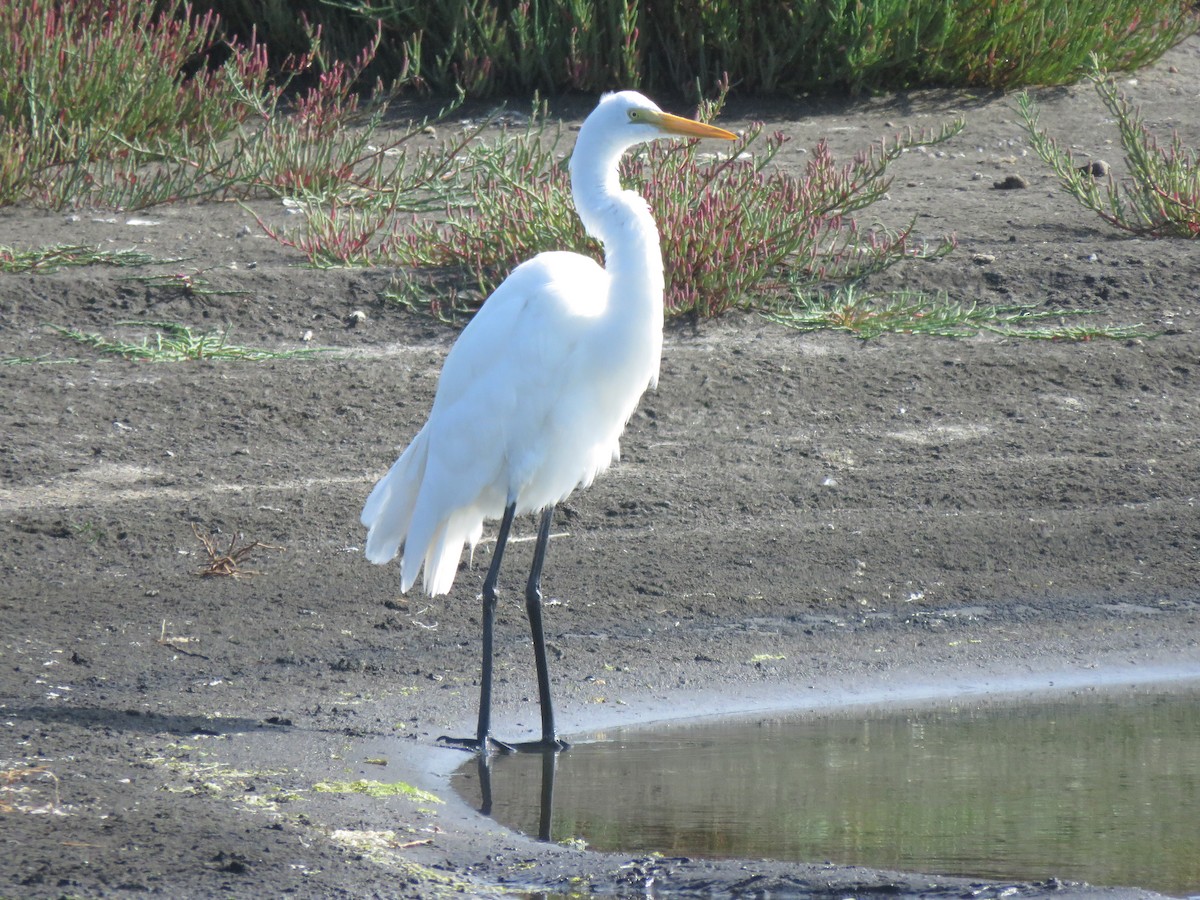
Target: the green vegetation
(83, 79)
(867, 315)
(191, 284)
(1160, 196)
(47, 259)
(732, 226)
(109, 104)
(44, 359)
(96, 109)
(172, 342)
(377, 789)
(512, 47)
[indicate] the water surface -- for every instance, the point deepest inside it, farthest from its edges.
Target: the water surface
(1104, 790)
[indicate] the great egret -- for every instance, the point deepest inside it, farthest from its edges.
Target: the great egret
(535, 393)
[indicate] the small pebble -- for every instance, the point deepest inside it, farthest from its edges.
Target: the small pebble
(356, 318)
(1097, 168)
(983, 259)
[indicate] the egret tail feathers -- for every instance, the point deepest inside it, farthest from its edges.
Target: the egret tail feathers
(388, 512)
(445, 551)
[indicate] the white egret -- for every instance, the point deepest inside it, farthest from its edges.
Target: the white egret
(535, 393)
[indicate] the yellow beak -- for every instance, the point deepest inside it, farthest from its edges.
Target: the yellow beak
(679, 125)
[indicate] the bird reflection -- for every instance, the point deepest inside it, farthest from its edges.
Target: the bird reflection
(546, 806)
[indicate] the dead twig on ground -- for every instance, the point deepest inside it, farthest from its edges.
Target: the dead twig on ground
(176, 642)
(10, 784)
(228, 561)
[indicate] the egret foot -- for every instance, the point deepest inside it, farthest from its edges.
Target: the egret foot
(545, 745)
(486, 747)
(474, 745)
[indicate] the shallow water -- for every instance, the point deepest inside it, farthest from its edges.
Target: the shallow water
(1104, 790)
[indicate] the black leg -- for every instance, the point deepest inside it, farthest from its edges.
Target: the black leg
(546, 813)
(485, 783)
(483, 739)
(533, 608)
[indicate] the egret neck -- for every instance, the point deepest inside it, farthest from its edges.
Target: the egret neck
(622, 222)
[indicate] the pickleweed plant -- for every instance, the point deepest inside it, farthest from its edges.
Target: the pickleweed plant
(174, 342)
(83, 78)
(866, 315)
(498, 47)
(118, 103)
(112, 105)
(733, 227)
(319, 141)
(57, 256)
(358, 221)
(1160, 195)
(485, 47)
(324, 140)
(520, 193)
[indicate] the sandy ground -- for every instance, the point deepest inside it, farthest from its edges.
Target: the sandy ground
(889, 521)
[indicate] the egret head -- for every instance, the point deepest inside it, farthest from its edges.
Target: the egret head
(630, 118)
(618, 122)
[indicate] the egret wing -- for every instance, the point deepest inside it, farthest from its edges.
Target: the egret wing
(503, 384)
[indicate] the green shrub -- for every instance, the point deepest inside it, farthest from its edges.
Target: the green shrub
(82, 79)
(767, 46)
(1159, 197)
(734, 228)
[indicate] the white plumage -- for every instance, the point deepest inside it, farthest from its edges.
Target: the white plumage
(535, 393)
(519, 415)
